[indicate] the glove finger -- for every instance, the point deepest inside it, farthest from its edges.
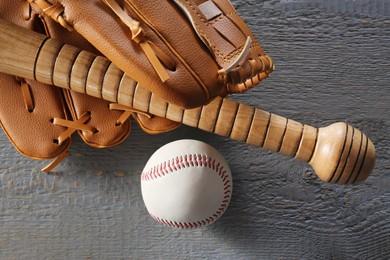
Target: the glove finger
(155, 125)
(28, 108)
(27, 111)
(106, 133)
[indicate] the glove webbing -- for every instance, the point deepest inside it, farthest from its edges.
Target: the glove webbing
(127, 112)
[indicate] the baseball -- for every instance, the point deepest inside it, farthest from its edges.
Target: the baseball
(186, 184)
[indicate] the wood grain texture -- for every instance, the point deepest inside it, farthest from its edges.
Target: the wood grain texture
(332, 64)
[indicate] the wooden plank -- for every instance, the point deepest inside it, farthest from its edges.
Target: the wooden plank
(332, 64)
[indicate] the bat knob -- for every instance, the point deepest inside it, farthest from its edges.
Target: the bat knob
(343, 154)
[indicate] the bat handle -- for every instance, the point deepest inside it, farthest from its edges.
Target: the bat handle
(338, 153)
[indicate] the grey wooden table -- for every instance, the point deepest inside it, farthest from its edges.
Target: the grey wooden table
(333, 64)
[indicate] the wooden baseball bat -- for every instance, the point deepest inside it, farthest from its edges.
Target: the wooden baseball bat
(338, 153)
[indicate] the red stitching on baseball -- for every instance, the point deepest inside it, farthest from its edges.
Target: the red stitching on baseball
(187, 161)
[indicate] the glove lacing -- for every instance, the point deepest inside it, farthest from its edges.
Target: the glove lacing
(127, 112)
(27, 95)
(54, 11)
(156, 56)
(256, 78)
(72, 127)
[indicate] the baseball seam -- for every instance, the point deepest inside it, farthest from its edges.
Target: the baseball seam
(187, 161)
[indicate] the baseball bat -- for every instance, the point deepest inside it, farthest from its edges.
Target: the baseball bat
(338, 153)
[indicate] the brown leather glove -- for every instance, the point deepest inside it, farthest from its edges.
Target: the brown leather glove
(185, 51)
(40, 120)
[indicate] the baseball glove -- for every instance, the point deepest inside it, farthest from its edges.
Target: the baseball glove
(209, 52)
(40, 120)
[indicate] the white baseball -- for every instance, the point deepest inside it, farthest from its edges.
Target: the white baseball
(186, 184)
